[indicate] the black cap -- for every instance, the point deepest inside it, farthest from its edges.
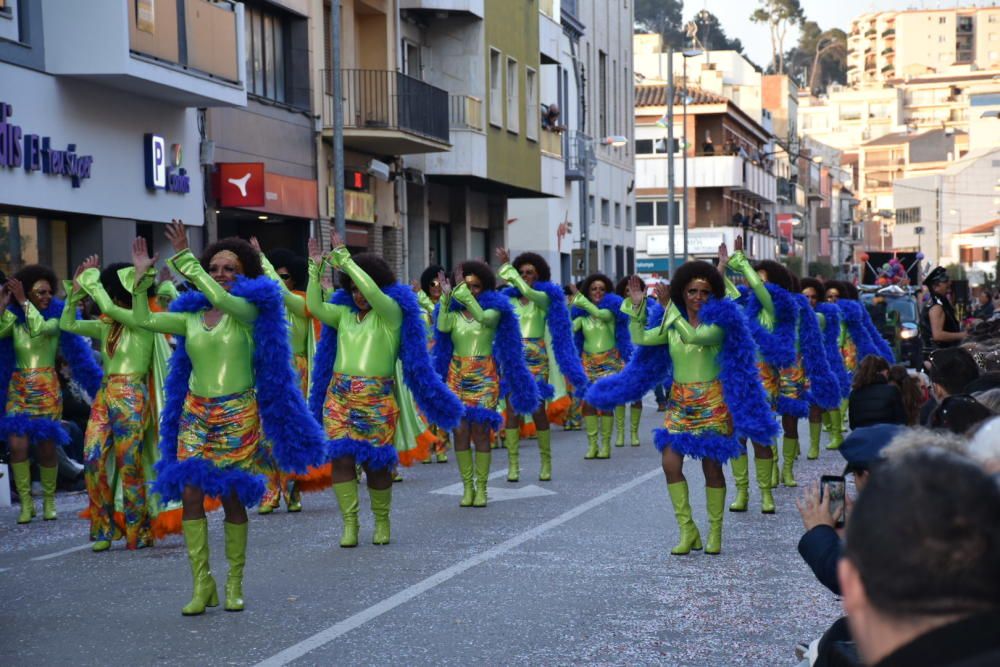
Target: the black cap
(864, 446)
(938, 275)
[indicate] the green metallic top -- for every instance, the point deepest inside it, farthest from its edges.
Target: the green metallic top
(532, 307)
(694, 351)
(472, 330)
(367, 342)
(741, 264)
(295, 308)
(427, 306)
(133, 351)
(844, 335)
(598, 327)
(221, 357)
(822, 321)
(36, 342)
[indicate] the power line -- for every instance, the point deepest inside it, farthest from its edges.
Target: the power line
(946, 192)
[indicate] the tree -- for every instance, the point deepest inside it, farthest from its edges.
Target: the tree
(779, 15)
(712, 36)
(821, 55)
(665, 17)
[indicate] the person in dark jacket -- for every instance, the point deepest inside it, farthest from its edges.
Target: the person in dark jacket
(874, 400)
(919, 573)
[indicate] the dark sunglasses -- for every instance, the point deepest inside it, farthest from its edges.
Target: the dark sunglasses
(284, 276)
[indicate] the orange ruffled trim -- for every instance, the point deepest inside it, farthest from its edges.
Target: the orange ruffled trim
(558, 410)
(166, 523)
(423, 449)
(317, 479)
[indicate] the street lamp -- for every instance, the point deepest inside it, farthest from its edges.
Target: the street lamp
(615, 140)
(688, 53)
(957, 212)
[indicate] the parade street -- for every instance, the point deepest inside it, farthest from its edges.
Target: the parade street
(572, 571)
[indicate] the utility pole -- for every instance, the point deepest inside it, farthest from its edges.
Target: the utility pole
(684, 161)
(338, 121)
(670, 162)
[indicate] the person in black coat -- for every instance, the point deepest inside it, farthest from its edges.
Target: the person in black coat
(873, 399)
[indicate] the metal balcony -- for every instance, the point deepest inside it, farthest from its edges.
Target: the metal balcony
(579, 155)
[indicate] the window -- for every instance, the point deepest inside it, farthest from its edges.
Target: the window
(618, 215)
(942, 19)
(650, 213)
(265, 47)
(643, 146)
(532, 114)
(628, 218)
(513, 99)
(496, 89)
(644, 213)
(602, 92)
(411, 60)
(605, 212)
(907, 216)
(590, 211)
(992, 18)
(654, 146)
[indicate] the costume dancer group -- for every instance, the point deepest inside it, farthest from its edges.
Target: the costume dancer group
(250, 407)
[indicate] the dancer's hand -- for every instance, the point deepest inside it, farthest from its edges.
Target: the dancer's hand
(16, 290)
(503, 256)
(91, 262)
(573, 289)
(336, 241)
(662, 294)
(723, 257)
(4, 298)
(255, 244)
(177, 235)
(635, 291)
(738, 244)
(315, 254)
(141, 259)
(444, 283)
(415, 286)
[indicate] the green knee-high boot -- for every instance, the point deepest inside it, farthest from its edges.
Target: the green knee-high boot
(763, 468)
(48, 477)
(347, 500)
(513, 441)
(22, 481)
(774, 467)
(483, 460)
(690, 539)
(836, 429)
(381, 500)
(825, 421)
(715, 500)
(620, 426)
(635, 416)
(814, 432)
(741, 479)
(789, 450)
(464, 459)
(590, 422)
(545, 453)
(236, 554)
(206, 594)
(607, 424)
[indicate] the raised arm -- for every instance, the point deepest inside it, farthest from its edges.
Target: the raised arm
(488, 318)
(68, 321)
(741, 264)
(704, 334)
(166, 323)
(381, 303)
(90, 282)
(34, 321)
(327, 313)
(511, 275)
(603, 314)
(293, 302)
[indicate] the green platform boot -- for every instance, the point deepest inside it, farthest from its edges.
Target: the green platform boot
(464, 460)
(347, 500)
(545, 454)
(513, 441)
(381, 500)
(483, 460)
(236, 554)
(635, 416)
(620, 426)
(294, 497)
(775, 477)
(789, 450)
(607, 424)
(836, 429)
(206, 594)
(22, 482)
(715, 500)
(48, 478)
(814, 433)
(590, 423)
(741, 479)
(825, 421)
(763, 469)
(690, 539)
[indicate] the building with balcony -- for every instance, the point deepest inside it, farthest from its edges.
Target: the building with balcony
(731, 186)
(587, 223)
(99, 144)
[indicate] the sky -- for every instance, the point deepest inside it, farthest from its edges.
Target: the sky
(735, 17)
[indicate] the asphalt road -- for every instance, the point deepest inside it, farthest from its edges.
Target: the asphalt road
(572, 571)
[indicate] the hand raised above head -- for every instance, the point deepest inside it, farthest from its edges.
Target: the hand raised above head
(315, 254)
(177, 235)
(140, 257)
(503, 255)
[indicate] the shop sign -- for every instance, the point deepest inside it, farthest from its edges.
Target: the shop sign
(358, 206)
(240, 184)
(163, 170)
(35, 152)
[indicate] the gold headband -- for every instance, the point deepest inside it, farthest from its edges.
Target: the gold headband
(228, 254)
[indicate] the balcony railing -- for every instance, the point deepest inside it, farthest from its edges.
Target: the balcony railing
(465, 112)
(552, 143)
(385, 100)
(195, 34)
(579, 152)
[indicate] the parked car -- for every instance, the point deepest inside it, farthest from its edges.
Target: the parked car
(895, 311)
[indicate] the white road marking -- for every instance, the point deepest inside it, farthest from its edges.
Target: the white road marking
(500, 493)
(4, 569)
(331, 633)
(63, 552)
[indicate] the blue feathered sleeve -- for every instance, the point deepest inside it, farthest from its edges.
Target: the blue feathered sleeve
(508, 350)
(649, 366)
(561, 330)
(824, 390)
(831, 346)
(778, 346)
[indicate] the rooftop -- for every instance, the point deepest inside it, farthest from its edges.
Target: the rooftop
(984, 228)
(655, 95)
(900, 138)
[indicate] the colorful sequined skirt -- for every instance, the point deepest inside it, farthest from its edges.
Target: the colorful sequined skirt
(536, 357)
(770, 379)
(698, 423)
(602, 364)
(850, 352)
(794, 383)
(34, 406)
(362, 409)
(223, 430)
(475, 381)
(301, 365)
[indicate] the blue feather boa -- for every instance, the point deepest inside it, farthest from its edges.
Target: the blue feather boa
(824, 389)
(857, 319)
(83, 366)
(297, 440)
(623, 341)
(831, 347)
(741, 387)
(777, 347)
(561, 333)
(876, 336)
(508, 351)
(432, 396)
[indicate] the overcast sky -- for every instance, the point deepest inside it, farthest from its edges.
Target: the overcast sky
(735, 17)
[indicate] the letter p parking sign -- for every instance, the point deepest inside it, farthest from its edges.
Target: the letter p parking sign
(156, 162)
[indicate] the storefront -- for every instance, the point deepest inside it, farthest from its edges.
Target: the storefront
(85, 168)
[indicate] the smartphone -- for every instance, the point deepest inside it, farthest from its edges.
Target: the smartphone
(835, 486)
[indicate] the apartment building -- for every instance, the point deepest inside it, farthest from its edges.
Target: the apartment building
(586, 150)
(102, 143)
(883, 46)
